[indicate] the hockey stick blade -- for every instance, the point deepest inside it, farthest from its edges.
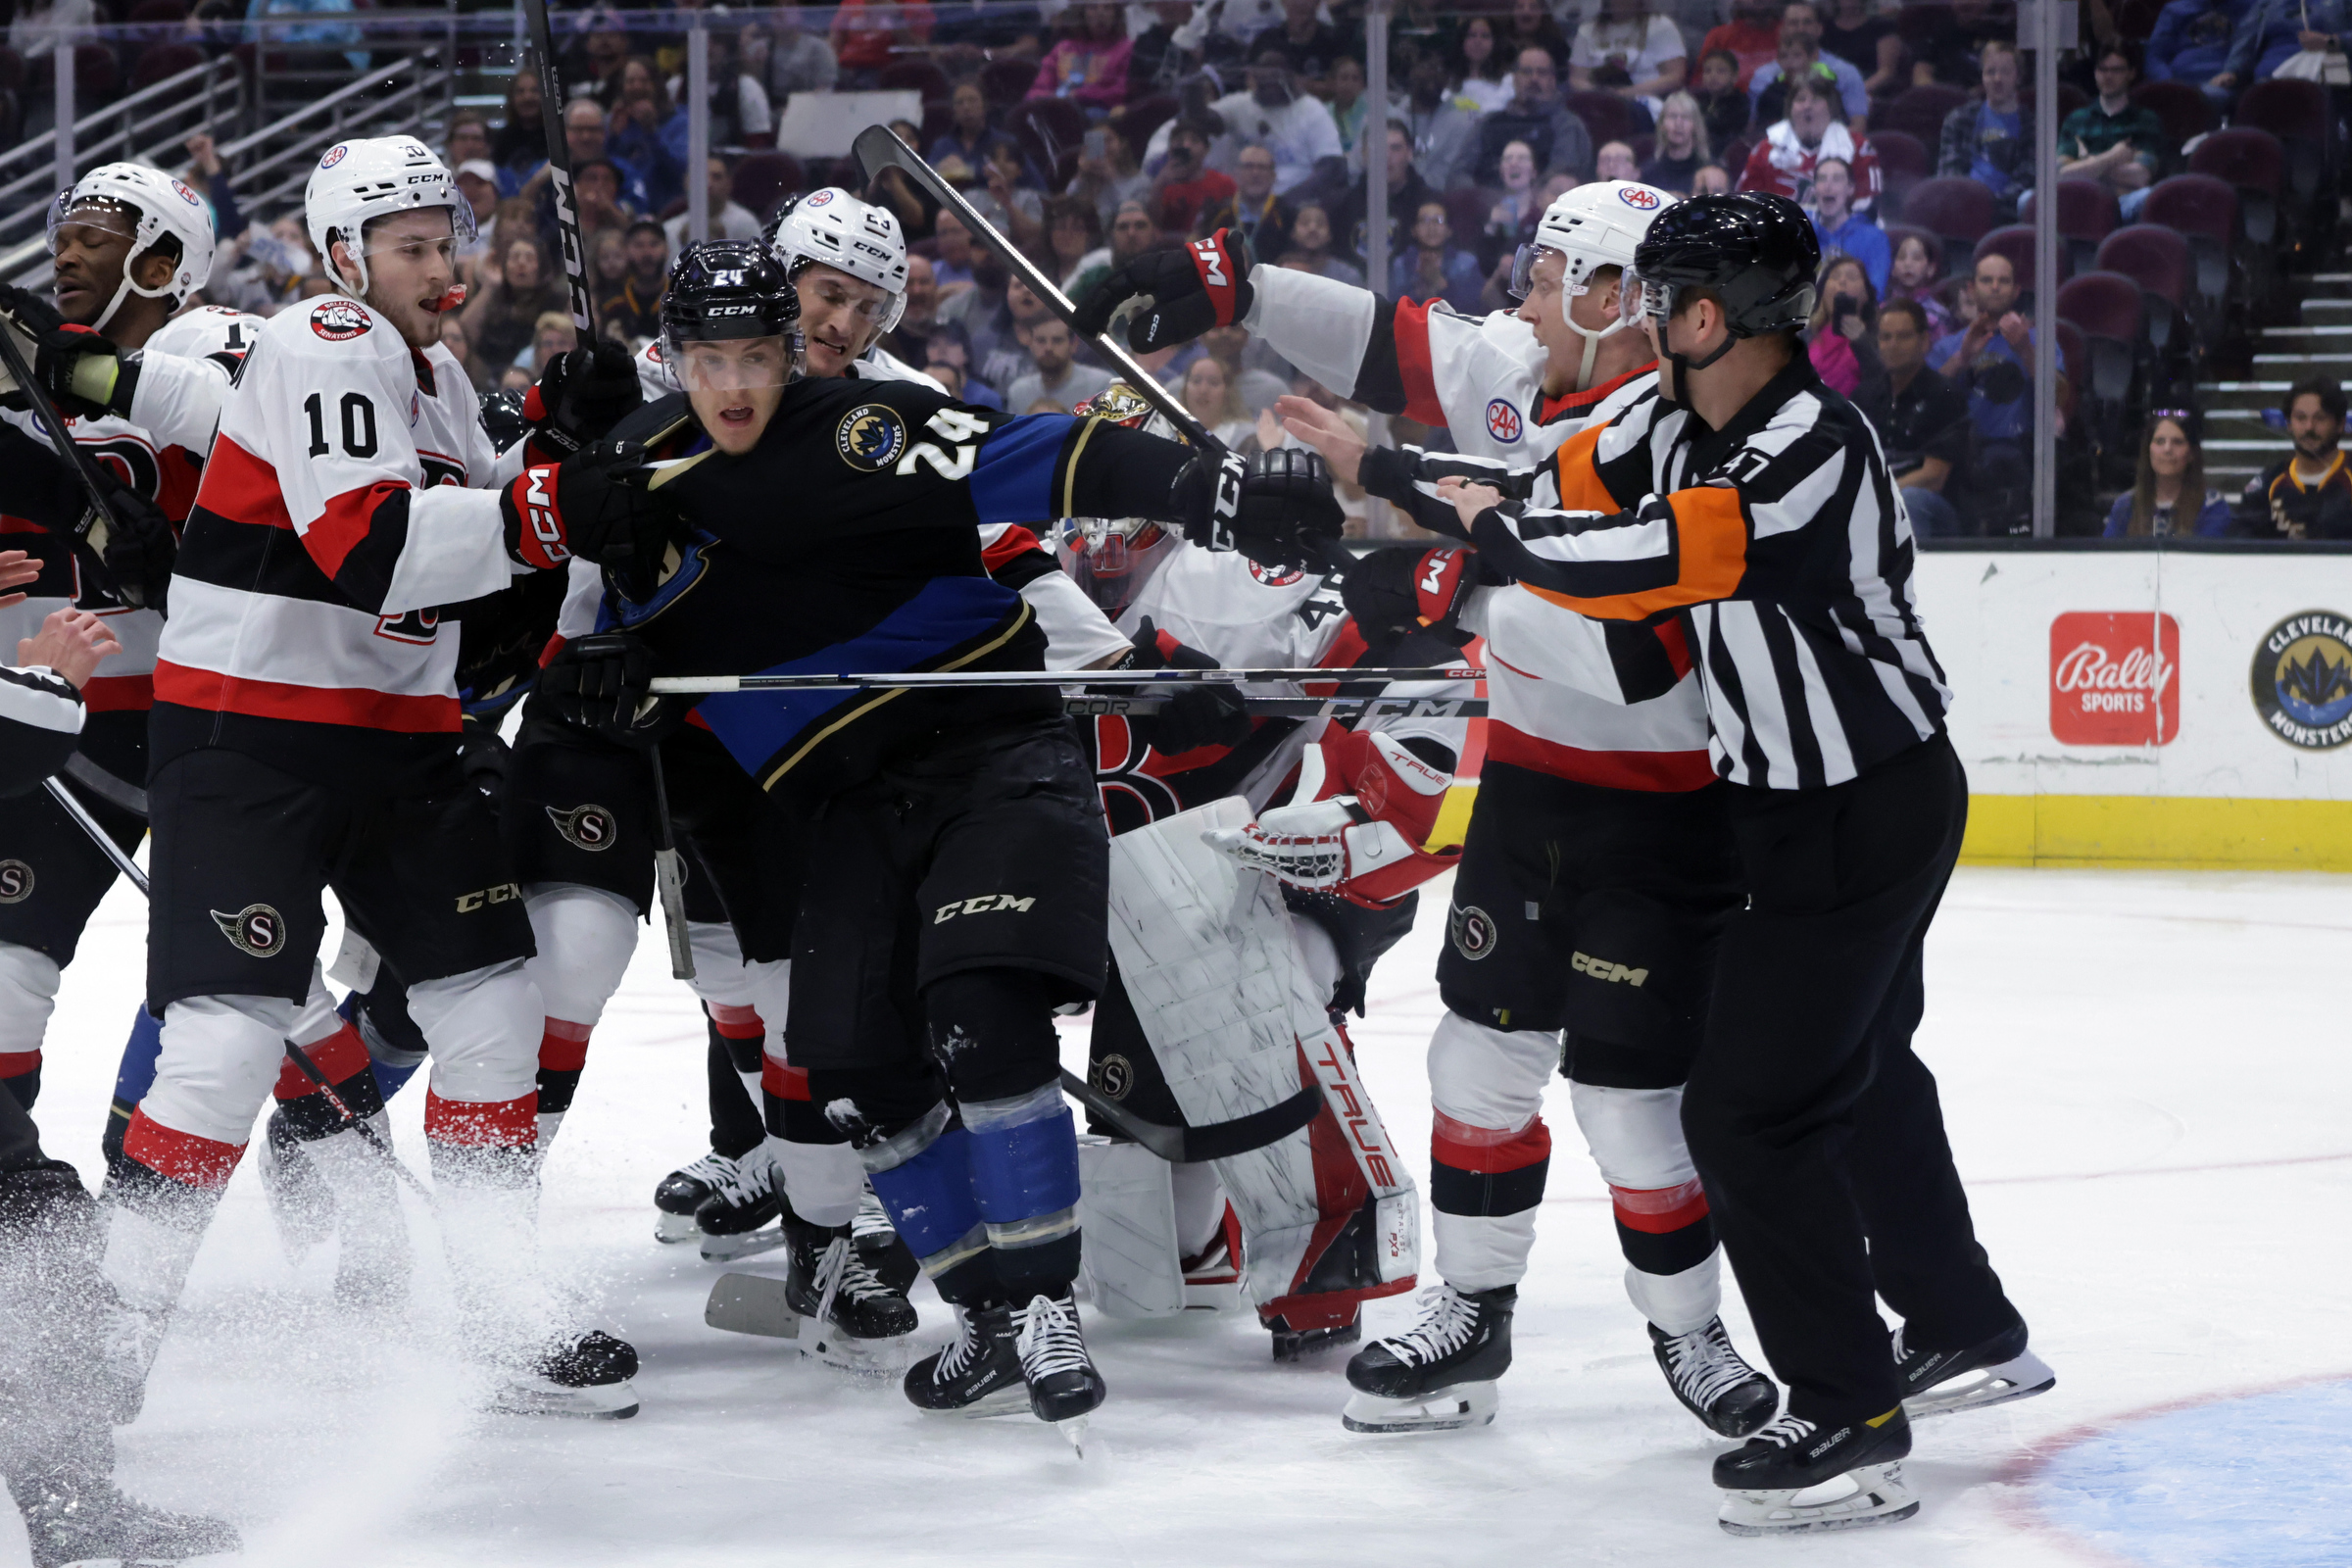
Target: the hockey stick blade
(115, 792)
(752, 1303)
(1190, 1146)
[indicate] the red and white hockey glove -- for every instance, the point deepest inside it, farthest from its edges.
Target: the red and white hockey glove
(1370, 846)
(1171, 297)
(1400, 590)
(592, 506)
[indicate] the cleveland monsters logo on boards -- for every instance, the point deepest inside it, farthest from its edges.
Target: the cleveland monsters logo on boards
(1473, 931)
(339, 321)
(1112, 1077)
(258, 931)
(871, 437)
(15, 881)
(586, 827)
(2303, 680)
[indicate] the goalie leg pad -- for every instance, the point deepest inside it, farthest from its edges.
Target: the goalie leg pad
(1133, 1260)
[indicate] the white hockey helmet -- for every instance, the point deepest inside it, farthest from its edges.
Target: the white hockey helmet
(1592, 227)
(375, 178)
(833, 227)
(157, 205)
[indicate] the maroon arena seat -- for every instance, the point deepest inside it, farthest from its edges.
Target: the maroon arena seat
(2204, 212)
(1902, 163)
(763, 178)
(159, 61)
(2106, 307)
(2087, 214)
(1919, 111)
(1007, 81)
(1144, 116)
(1953, 208)
(2296, 113)
(2253, 161)
(2160, 262)
(2184, 108)
(918, 74)
(1606, 116)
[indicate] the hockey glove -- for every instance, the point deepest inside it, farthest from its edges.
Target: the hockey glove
(1395, 592)
(594, 506)
(483, 756)
(1275, 507)
(82, 371)
(1371, 844)
(1210, 713)
(603, 682)
(140, 547)
(1171, 297)
(582, 394)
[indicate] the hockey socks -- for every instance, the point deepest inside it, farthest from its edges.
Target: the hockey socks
(923, 1175)
(562, 1055)
(1025, 1176)
(28, 982)
(132, 1078)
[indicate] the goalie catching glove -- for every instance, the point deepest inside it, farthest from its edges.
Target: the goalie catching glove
(1371, 842)
(1275, 507)
(1171, 297)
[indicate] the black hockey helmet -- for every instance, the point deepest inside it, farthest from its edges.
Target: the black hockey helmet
(728, 289)
(1754, 251)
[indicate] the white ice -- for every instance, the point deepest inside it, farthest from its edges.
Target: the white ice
(2146, 1079)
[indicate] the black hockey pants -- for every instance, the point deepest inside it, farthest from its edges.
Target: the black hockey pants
(1815, 1128)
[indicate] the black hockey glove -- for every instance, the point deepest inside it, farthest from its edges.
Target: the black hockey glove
(82, 371)
(141, 546)
(1172, 297)
(1275, 507)
(482, 757)
(597, 507)
(603, 682)
(1402, 590)
(1210, 713)
(582, 394)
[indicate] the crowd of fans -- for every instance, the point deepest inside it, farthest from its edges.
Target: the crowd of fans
(1089, 132)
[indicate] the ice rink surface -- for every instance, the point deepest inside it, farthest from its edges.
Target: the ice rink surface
(2147, 1081)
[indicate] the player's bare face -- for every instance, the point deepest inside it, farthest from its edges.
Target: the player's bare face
(411, 262)
(92, 245)
(734, 385)
(841, 317)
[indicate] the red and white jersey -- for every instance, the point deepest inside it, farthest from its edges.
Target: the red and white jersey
(345, 502)
(184, 373)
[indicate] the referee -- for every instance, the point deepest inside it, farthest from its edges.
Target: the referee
(1754, 503)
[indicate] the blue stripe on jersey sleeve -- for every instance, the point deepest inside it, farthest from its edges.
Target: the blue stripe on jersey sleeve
(1013, 479)
(755, 726)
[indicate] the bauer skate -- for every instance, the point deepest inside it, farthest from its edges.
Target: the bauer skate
(586, 1375)
(1438, 1375)
(1063, 1386)
(685, 1189)
(1712, 1380)
(1994, 1372)
(741, 1217)
(979, 1374)
(878, 1241)
(829, 1284)
(1793, 1477)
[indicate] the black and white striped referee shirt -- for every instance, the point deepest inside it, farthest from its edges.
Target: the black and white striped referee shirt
(1781, 543)
(40, 722)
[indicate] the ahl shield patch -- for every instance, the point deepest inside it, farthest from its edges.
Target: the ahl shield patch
(258, 931)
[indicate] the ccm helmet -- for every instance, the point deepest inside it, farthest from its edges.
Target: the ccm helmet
(1754, 251)
(1592, 227)
(156, 206)
(729, 288)
(376, 177)
(833, 227)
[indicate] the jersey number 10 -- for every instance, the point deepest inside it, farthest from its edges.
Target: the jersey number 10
(359, 424)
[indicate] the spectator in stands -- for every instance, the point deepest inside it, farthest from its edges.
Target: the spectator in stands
(1991, 360)
(1160, 61)
(2307, 495)
(1629, 50)
(1019, 207)
(453, 338)
(1537, 117)
(1188, 187)
(1057, 375)
(1917, 274)
(518, 147)
(729, 217)
(2111, 138)
(552, 335)
(209, 174)
(950, 349)
(1797, 55)
(1712, 180)
(1110, 177)
(1440, 127)
(798, 61)
(608, 261)
(911, 339)
(1682, 145)
(1854, 31)
(1722, 102)
(584, 139)
(1922, 418)
(1482, 73)
(1432, 267)
(1307, 46)
(1784, 161)
(1312, 248)
(1839, 229)
(1516, 204)
(1843, 336)
(1088, 66)
(2271, 32)
(477, 182)
(1253, 208)
(1233, 348)
(867, 33)
(634, 311)
(647, 134)
(500, 319)
(741, 114)
(2192, 43)
(1615, 161)
(1001, 338)
(1274, 115)
(1752, 38)
(603, 52)
(2172, 471)
(469, 139)
(952, 266)
(1407, 190)
(596, 185)
(1350, 110)
(1210, 393)
(1948, 51)
(36, 31)
(1531, 27)
(1989, 138)
(964, 148)
(1075, 253)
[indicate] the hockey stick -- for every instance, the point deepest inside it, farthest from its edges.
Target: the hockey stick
(119, 794)
(97, 525)
(1348, 708)
(1188, 1145)
(699, 685)
(89, 824)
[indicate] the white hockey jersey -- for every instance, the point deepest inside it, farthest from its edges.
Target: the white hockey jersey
(159, 452)
(369, 456)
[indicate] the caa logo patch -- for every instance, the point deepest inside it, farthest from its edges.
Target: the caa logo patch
(334, 155)
(1637, 196)
(15, 881)
(258, 931)
(1503, 422)
(822, 198)
(187, 195)
(339, 321)
(585, 827)
(1473, 931)
(871, 437)
(1276, 576)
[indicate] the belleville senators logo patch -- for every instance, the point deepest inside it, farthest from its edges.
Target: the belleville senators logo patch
(339, 321)
(585, 827)
(15, 881)
(1473, 931)
(258, 931)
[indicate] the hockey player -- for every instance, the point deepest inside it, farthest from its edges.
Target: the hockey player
(1752, 503)
(141, 391)
(955, 886)
(1597, 817)
(306, 734)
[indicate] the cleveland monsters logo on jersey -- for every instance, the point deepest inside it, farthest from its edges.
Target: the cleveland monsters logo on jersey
(258, 931)
(1473, 931)
(15, 881)
(871, 437)
(585, 827)
(339, 321)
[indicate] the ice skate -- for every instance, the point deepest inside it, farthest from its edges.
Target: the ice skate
(1438, 1375)
(302, 1206)
(738, 1219)
(829, 1284)
(979, 1374)
(76, 1518)
(1713, 1382)
(587, 1375)
(1994, 1372)
(878, 1241)
(1063, 1385)
(1791, 1477)
(685, 1189)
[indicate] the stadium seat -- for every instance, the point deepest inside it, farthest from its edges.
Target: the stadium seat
(2106, 308)
(1005, 82)
(2087, 214)
(159, 61)
(1956, 210)
(2296, 113)
(2184, 108)
(1902, 163)
(2251, 160)
(938, 120)
(2204, 212)
(1607, 117)
(763, 178)
(1918, 111)
(1465, 210)
(1731, 157)
(923, 76)
(12, 70)
(2160, 261)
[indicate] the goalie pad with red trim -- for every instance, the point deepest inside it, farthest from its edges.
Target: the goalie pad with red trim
(1379, 830)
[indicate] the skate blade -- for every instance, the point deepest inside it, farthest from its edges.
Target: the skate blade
(670, 1229)
(874, 1360)
(1074, 1429)
(750, 1243)
(752, 1303)
(2020, 1379)
(606, 1401)
(1450, 1409)
(1012, 1399)
(1867, 1494)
